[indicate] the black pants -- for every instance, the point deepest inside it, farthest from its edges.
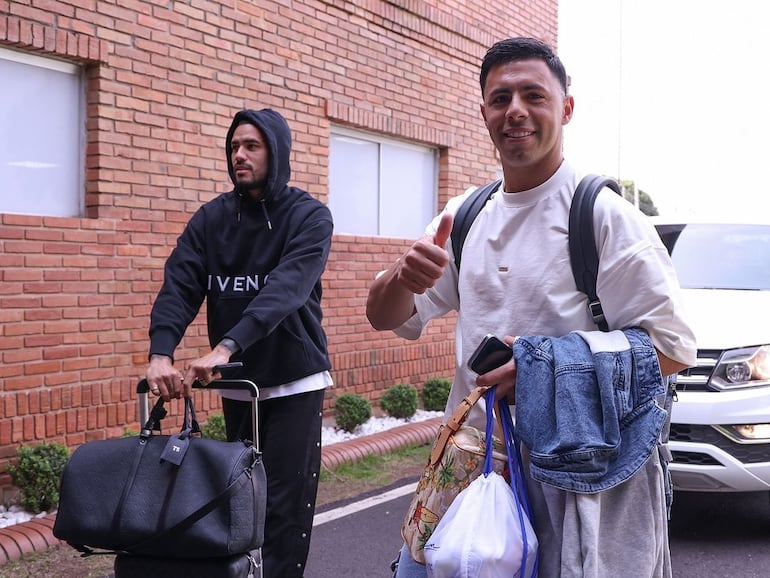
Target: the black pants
(290, 441)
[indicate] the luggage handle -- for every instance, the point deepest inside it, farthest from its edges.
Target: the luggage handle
(241, 384)
(143, 389)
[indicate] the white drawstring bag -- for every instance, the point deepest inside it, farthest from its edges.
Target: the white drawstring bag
(486, 532)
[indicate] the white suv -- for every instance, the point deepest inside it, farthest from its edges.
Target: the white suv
(720, 430)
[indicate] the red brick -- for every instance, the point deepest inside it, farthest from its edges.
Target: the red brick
(10, 546)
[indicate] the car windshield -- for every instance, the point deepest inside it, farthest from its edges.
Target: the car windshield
(719, 256)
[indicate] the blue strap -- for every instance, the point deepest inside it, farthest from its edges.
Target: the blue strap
(513, 448)
(515, 468)
(489, 398)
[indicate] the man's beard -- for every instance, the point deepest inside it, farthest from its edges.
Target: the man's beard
(245, 188)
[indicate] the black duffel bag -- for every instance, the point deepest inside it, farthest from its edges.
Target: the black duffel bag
(178, 496)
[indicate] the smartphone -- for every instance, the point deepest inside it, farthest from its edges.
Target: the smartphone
(490, 354)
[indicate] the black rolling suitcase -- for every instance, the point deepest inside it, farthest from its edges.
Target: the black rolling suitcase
(247, 564)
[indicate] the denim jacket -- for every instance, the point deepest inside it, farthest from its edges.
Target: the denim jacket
(590, 419)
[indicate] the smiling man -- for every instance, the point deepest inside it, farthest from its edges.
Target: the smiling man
(256, 255)
(516, 280)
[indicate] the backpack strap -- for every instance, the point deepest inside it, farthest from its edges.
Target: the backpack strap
(582, 246)
(466, 214)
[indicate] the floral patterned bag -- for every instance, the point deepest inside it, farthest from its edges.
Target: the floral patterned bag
(457, 458)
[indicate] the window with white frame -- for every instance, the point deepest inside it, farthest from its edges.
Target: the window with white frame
(41, 123)
(381, 187)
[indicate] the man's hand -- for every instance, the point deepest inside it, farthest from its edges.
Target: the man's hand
(391, 296)
(504, 377)
(422, 265)
(202, 369)
(164, 380)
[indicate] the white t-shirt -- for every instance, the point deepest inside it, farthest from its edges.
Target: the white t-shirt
(314, 382)
(516, 278)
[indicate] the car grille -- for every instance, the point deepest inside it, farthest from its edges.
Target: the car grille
(745, 453)
(694, 458)
(696, 378)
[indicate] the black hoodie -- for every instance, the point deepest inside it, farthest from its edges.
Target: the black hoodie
(258, 264)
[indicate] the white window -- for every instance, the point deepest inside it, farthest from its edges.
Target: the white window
(381, 187)
(41, 123)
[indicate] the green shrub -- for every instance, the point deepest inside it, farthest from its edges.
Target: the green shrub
(400, 401)
(214, 428)
(351, 410)
(435, 394)
(37, 474)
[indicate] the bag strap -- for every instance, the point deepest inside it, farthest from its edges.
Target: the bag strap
(582, 245)
(153, 424)
(489, 433)
(190, 421)
(513, 449)
(466, 214)
(518, 481)
(515, 468)
(454, 423)
(157, 414)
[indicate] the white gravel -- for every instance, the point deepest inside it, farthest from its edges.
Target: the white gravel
(332, 435)
(16, 515)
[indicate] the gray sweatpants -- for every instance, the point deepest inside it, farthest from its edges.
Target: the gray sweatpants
(622, 531)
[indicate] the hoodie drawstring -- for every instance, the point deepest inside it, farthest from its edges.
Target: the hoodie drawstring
(264, 212)
(239, 202)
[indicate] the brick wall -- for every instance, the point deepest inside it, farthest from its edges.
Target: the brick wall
(163, 80)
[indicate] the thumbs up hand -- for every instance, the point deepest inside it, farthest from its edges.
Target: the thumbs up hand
(424, 262)
(443, 231)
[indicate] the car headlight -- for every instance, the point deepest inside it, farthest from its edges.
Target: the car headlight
(738, 368)
(751, 433)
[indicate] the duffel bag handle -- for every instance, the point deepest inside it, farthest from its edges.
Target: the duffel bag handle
(189, 421)
(157, 413)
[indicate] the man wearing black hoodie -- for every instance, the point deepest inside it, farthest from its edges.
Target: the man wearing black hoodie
(256, 255)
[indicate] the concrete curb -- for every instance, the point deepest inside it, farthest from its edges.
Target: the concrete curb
(410, 434)
(36, 535)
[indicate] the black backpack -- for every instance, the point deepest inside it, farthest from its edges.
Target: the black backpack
(582, 248)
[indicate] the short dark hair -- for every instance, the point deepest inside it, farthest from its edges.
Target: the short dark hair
(522, 48)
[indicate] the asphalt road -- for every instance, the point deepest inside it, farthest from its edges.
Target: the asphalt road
(712, 536)
(720, 535)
